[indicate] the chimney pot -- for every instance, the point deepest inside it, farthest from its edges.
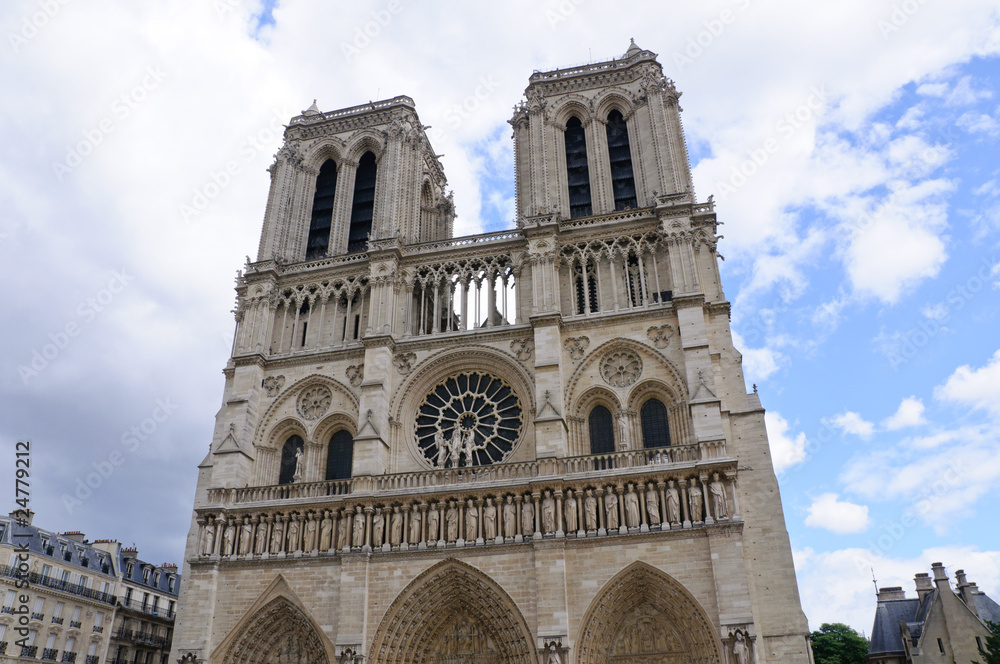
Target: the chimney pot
(895, 592)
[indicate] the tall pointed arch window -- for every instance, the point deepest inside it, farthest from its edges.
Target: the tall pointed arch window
(291, 458)
(622, 179)
(363, 207)
(322, 211)
(577, 173)
(655, 431)
(340, 456)
(602, 431)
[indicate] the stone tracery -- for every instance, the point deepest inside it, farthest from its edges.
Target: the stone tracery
(280, 633)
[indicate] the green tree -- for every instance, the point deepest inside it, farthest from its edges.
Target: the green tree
(991, 652)
(836, 643)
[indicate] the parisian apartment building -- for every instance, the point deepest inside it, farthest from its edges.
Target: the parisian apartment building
(87, 602)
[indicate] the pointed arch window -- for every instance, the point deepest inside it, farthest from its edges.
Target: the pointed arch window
(322, 211)
(602, 431)
(583, 297)
(363, 207)
(340, 456)
(655, 430)
(577, 172)
(620, 152)
(290, 459)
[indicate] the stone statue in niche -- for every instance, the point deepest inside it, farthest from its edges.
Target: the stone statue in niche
(297, 476)
(293, 535)
(326, 532)
(673, 504)
(741, 653)
(378, 527)
(569, 506)
(310, 534)
(590, 510)
(652, 505)
(451, 521)
(260, 543)
(396, 527)
(208, 547)
(471, 520)
(717, 490)
(509, 518)
(359, 528)
(455, 446)
(227, 538)
(553, 656)
(611, 508)
(490, 520)
(694, 500)
(415, 523)
(345, 517)
(527, 518)
(441, 457)
(277, 536)
(246, 533)
(548, 513)
(632, 516)
(433, 524)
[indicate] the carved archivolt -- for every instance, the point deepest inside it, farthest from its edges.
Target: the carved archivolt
(643, 614)
(285, 405)
(452, 612)
(279, 633)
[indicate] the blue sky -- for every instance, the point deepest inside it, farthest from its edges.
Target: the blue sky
(850, 148)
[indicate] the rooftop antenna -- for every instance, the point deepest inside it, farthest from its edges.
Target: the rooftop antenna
(378, 91)
(874, 582)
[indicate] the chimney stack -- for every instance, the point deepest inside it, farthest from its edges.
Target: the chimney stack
(895, 592)
(940, 576)
(966, 590)
(924, 585)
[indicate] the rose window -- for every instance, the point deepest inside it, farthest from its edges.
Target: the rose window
(314, 401)
(470, 419)
(621, 368)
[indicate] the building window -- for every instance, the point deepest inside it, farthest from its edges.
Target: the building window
(128, 569)
(145, 575)
(620, 152)
(577, 173)
(290, 459)
(602, 431)
(590, 295)
(322, 211)
(340, 456)
(363, 207)
(941, 646)
(655, 432)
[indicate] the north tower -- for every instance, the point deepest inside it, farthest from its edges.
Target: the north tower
(526, 446)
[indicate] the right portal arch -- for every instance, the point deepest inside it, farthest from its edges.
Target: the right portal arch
(644, 615)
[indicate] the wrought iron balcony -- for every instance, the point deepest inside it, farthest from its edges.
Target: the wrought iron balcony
(49, 654)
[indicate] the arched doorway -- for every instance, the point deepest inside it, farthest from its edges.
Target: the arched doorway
(279, 633)
(453, 613)
(644, 615)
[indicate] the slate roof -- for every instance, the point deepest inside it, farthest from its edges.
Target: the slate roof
(885, 631)
(987, 608)
(57, 547)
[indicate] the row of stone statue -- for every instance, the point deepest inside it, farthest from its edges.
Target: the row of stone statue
(512, 518)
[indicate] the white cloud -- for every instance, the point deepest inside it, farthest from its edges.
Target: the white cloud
(838, 516)
(786, 450)
(758, 363)
(933, 89)
(964, 93)
(836, 586)
(975, 123)
(909, 414)
(852, 423)
(975, 388)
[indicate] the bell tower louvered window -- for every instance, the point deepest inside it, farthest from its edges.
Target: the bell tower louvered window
(602, 431)
(577, 172)
(363, 208)
(622, 179)
(322, 211)
(655, 432)
(340, 456)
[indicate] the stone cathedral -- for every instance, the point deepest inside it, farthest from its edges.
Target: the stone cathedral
(534, 446)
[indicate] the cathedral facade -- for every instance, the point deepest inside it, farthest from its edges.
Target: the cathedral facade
(533, 446)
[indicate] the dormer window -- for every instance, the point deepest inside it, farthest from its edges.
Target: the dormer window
(145, 575)
(128, 569)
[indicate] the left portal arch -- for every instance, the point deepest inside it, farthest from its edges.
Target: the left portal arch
(452, 612)
(279, 632)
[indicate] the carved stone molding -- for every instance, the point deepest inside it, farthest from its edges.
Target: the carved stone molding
(273, 384)
(522, 349)
(660, 335)
(355, 374)
(576, 347)
(621, 368)
(404, 362)
(314, 401)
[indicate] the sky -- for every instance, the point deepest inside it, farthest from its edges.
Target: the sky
(850, 148)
